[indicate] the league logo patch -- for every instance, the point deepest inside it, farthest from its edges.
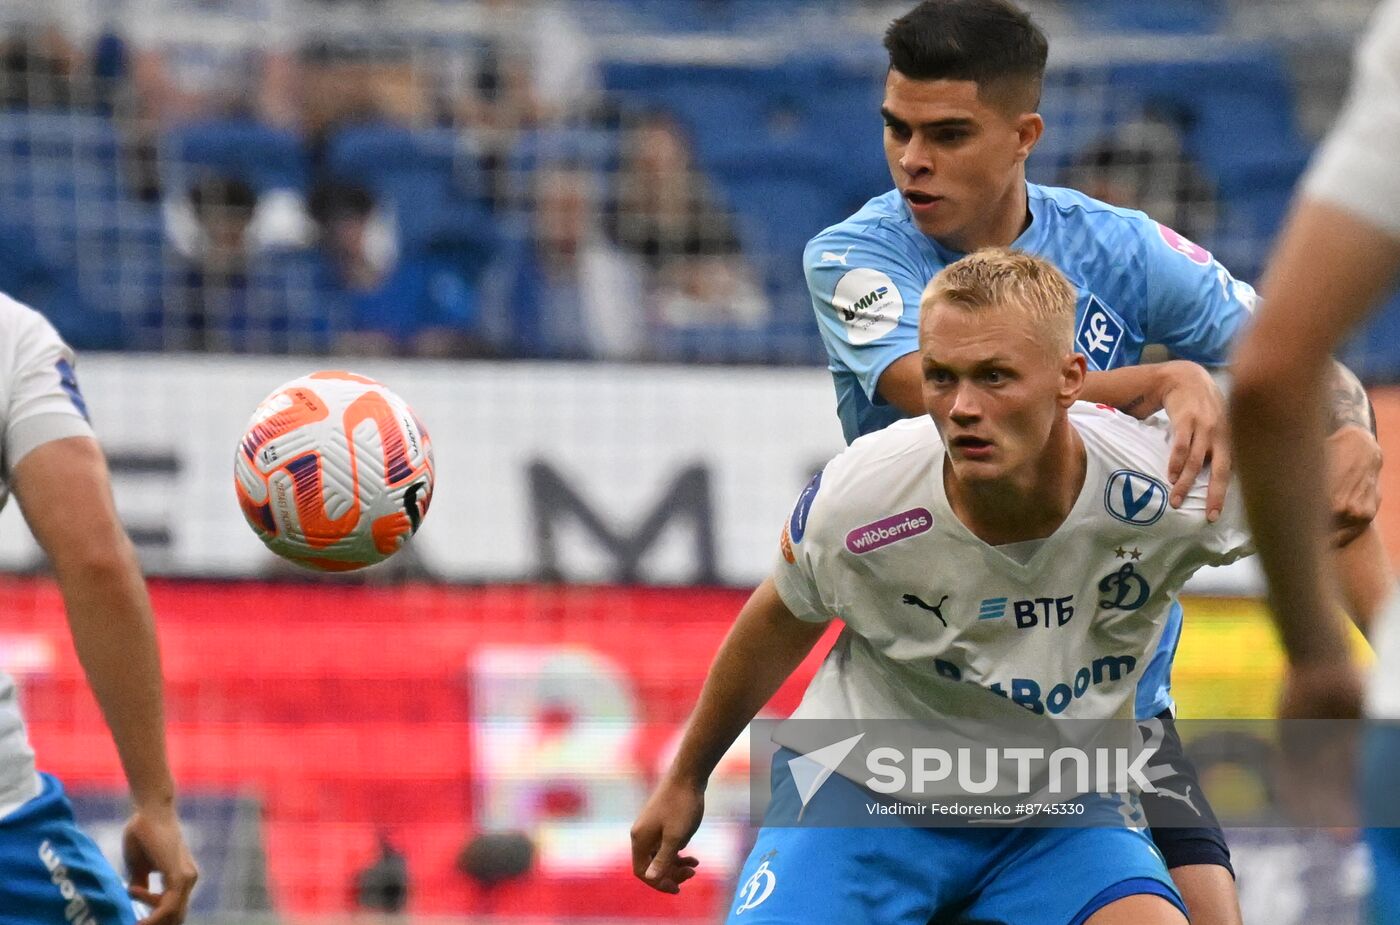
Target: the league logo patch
(1185, 247)
(889, 530)
(785, 544)
(68, 380)
(1100, 334)
(1135, 498)
(797, 524)
(868, 303)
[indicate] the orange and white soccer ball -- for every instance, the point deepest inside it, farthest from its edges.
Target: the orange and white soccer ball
(335, 472)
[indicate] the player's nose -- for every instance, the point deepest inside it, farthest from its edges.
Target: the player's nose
(965, 409)
(916, 159)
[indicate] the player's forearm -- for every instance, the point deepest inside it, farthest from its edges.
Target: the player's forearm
(1278, 429)
(113, 631)
(1328, 268)
(1135, 390)
(764, 647)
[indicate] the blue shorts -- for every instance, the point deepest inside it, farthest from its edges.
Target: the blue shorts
(1381, 800)
(53, 874)
(909, 876)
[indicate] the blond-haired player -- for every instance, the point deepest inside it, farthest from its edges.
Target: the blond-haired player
(939, 543)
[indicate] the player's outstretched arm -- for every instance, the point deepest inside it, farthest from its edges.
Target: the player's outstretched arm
(63, 490)
(764, 647)
(1330, 267)
(1185, 390)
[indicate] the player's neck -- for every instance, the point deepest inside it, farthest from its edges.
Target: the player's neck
(1002, 226)
(1028, 505)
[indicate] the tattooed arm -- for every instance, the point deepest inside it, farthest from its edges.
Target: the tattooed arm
(1353, 457)
(1350, 403)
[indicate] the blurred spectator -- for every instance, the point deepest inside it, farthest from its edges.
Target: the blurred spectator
(534, 67)
(207, 298)
(48, 52)
(663, 212)
(226, 288)
(395, 303)
(574, 294)
(359, 70)
(1143, 165)
(38, 69)
(537, 66)
(195, 58)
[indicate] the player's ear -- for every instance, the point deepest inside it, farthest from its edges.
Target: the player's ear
(1072, 373)
(1029, 127)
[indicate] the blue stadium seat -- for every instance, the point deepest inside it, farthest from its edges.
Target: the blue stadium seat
(263, 156)
(429, 176)
(61, 195)
(1177, 16)
(1374, 353)
(733, 114)
(579, 146)
(1238, 115)
(58, 172)
(733, 16)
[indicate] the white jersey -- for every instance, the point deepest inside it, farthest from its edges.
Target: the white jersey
(1355, 170)
(940, 625)
(39, 402)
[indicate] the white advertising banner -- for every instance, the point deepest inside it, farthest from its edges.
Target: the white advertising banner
(568, 472)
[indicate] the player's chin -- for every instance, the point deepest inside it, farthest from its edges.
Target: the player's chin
(986, 466)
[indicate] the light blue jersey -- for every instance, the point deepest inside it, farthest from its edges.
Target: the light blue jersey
(1138, 281)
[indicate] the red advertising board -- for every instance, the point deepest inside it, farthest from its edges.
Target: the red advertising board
(425, 714)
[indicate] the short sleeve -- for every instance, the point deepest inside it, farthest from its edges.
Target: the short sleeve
(1355, 168)
(1228, 539)
(794, 572)
(1195, 308)
(866, 298)
(43, 400)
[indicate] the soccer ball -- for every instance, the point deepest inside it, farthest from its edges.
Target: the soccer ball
(335, 472)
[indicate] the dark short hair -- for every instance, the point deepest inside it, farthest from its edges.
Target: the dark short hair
(334, 201)
(979, 40)
(215, 192)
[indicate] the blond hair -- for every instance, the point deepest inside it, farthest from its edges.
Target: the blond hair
(1001, 278)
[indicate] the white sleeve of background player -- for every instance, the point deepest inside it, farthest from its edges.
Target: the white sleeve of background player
(1355, 168)
(43, 402)
(795, 571)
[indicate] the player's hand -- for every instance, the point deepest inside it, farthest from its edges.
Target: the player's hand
(152, 843)
(1325, 690)
(1354, 470)
(1196, 407)
(662, 830)
(1319, 742)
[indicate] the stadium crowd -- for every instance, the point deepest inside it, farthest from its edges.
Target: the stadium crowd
(503, 178)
